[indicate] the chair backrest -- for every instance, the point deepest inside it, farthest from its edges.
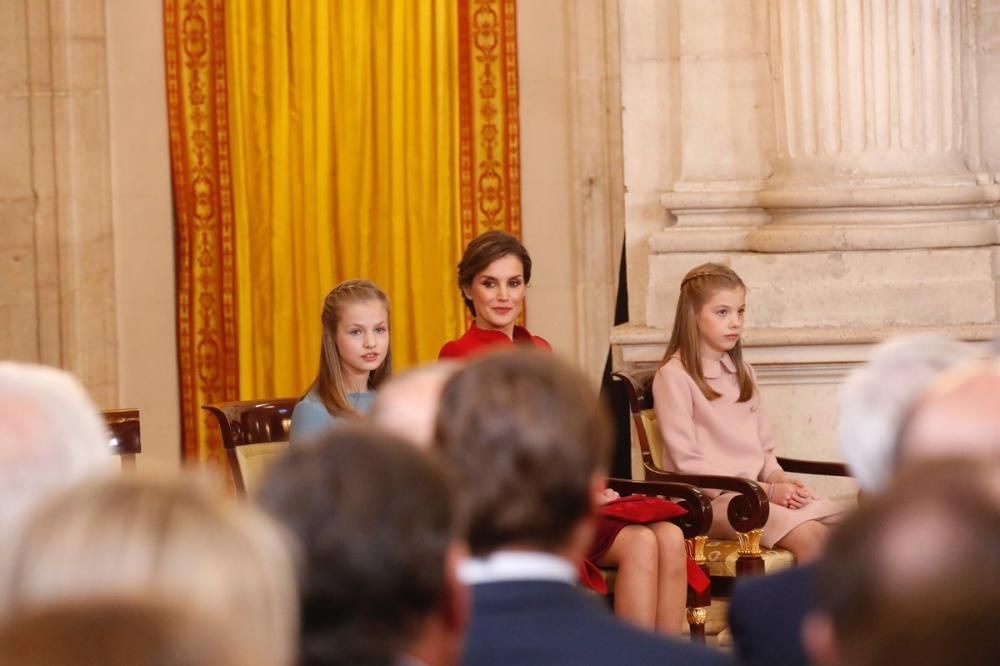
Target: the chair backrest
(639, 394)
(123, 425)
(255, 433)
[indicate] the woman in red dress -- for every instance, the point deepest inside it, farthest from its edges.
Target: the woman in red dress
(651, 585)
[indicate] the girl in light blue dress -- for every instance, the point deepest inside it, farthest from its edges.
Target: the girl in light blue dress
(354, 359)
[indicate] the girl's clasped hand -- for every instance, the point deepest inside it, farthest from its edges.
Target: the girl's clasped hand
(789, 492)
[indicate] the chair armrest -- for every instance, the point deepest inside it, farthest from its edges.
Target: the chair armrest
(748, 510)
(818, 467)
(698, 519)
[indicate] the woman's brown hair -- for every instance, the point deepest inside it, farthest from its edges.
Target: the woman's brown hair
(697, 288)
(329, 382)
(483, 251)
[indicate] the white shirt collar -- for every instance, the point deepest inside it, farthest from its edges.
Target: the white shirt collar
(508, 565)
(407, 660)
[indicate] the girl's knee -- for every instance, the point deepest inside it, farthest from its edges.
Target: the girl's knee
(806, 540)
(815, 531)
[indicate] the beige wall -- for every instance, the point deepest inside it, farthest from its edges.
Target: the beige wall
(571, 175)
(989, 84)
(56, 268)
(143, 224)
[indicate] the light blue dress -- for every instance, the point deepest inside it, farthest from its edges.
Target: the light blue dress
(310, 416)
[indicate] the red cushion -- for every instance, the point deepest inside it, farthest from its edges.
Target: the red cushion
(640, 509)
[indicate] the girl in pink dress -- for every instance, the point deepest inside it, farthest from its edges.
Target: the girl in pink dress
(650, 588)
(708, 407)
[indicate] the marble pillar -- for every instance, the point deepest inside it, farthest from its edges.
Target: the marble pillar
(56, 252)
(877, 128)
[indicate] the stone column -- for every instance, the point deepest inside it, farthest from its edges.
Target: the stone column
(725, 133)
(57, 299)
(875, 125)
(875, 110)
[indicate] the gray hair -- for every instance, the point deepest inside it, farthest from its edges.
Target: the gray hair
(51, 436)
(875, 399)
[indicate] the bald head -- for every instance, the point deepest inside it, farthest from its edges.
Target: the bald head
(958, 415)
(407, 405)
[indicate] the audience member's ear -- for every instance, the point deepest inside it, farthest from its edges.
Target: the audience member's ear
(818, 639)
(457, 603)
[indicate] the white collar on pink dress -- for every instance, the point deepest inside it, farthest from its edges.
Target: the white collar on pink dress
(713, 369)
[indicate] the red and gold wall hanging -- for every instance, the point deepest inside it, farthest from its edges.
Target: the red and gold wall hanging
(194, 38)
(489, 159)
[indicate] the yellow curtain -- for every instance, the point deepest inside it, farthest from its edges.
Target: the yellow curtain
(344, 157)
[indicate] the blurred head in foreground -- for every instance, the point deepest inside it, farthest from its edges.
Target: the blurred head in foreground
(376, 522)
(530, 443)
(51, 436)
(122, 632)
(876, 398)
(164, 538)
(905, 578)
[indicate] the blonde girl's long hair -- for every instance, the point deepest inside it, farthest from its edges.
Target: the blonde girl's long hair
(329, 383)
(698, 286)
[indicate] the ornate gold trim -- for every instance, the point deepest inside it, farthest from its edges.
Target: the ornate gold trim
(697, 615)
(750, 542)
(197, 109)
(696, 549)
(489, 148)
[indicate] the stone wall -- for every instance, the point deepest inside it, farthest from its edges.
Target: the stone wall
(86, 253)
(56, 253)
(571, 178)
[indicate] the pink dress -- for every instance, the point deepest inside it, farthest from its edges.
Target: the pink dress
(727, 437)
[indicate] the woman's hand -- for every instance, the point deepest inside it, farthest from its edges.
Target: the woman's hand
(781, 493)
(802, 495)
(791, 493)
(605, 496)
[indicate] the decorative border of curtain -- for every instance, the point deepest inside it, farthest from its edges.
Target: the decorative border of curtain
(200, 144)
(194, 39)
(489, 134)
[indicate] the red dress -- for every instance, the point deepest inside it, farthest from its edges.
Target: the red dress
(478, 340)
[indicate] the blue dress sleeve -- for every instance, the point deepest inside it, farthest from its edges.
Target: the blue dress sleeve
(309, 418)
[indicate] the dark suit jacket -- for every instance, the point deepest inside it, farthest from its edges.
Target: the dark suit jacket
(527, 623)
(766, 614)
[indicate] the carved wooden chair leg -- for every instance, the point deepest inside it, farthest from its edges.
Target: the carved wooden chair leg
(696, 617)
(698, 602)
(750, 561)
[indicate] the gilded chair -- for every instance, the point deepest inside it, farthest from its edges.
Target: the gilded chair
(125, 441)
(255, 433)
(749, 508)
